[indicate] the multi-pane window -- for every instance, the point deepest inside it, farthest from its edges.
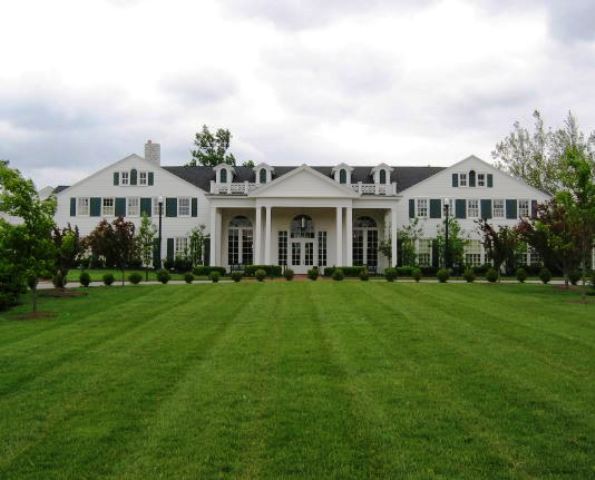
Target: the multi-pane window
(358, 247)
(181, 246)
(481, 180)
(247, 251)
(155, 210)
(473, 208)
(422, 207)
(142, 178)
(424, 252)
(462, 179)
(282, 248)
(124, 178)
(535, 256)
(302, 226)
(233, 247)
(240, 242)
(295, 253)
(523, 208)
(184, 207)
(498, 211)
(108, 207)
(309, 253)
(83, 206)
(521, 255)
(262, 173)
(365, 242)
(473, 253)
(133, 207)
(322, 254)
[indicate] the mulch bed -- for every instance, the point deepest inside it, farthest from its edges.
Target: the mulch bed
(61, 293)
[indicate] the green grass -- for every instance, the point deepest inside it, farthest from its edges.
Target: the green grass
(301, 380)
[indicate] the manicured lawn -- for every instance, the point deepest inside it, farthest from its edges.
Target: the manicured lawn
(301, 380)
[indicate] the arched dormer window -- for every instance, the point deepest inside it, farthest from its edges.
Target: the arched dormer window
(262, 175)
(382, 176)
(342, 173)
(302, 226)
(471, 178)
(343, 176)
(223, 176)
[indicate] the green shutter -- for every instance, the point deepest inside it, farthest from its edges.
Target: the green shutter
(120, 208)
(73, 207)
(170, 249)
(490, 180)
(435, 253)
(145, 206)
(116, 178)
(486, 209)
(194, 207)
(435, 208)
(411, 208)
(511, 209)
(171, 207)
(133, 176)
(455, 179)
(461, 208)
(95, 210)
(207, 251)
(151, 178)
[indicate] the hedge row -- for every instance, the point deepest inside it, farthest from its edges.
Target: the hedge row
(270, 270)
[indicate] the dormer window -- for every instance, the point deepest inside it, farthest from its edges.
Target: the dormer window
(223, 176)
(262, 175)
(382, 176)
(342, 173)
(343, 176)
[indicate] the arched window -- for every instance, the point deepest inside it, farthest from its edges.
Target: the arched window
(365, 242)
(471, 178)
(302, 226)
(364, 222)
(382, 176)
(262, 174)
(342, 176)
(223, 175)
(240, 241)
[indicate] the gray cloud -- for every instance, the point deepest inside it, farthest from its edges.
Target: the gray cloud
(200, 87)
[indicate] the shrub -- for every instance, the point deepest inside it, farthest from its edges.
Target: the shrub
(288, 274)
(85, 279)
(545, 275)
(205, 270)
(182, 264)
(492, 275)
(59, 280)
(214, 276)
(270, 270)
(236, 276)
(390, 274)
(469, 275)
(347, 271)
(416, 275)
(313, 274)
(428, 271)
(574, 277)
(135, 278)
(443, 275)
(338, 275)
(108, 279)
(364, 276)
(163, 276)
(405, 271)
(188, 277)
(260, 274)
(481, 269)
(521, 274)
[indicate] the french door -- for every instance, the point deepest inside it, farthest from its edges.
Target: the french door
(302, 254)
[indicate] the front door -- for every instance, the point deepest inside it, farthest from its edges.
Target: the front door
(302, 255)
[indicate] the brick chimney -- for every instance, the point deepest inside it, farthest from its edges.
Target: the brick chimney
(153, 152)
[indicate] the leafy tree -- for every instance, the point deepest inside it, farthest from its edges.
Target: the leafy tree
(146, 240)
(27, 248)
(408, 237)
(124, 246)
(197, 244)
(211, 149)
(100, 242)
(536, 156)
(457, 240)
(248, 163)
(501, 245)
(68, 247)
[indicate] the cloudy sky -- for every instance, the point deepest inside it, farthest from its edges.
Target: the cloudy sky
(407, 82)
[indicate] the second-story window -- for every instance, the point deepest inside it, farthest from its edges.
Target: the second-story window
(108, 207)
(498, 208)
(184, 205)
(462, 179)
(523, 208)
(342, 176)
(481, 180)
(383, 176)
(422, 207)
(83, 206)
(142, 178)
(223, 176)
(262, 175)
(125, 178)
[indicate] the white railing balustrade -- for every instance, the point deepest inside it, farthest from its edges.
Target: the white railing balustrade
(243, 188)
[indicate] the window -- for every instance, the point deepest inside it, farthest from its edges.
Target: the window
(309, 253)
(462, 179)
(282, 248)
(133, 207)
(424, 252)
(498, 210)
(108, 207)
(321, 249)
(296, 248)
(124, 178)
(535, 256)
(181, 246)
(302, 226)
(473, 208)
(472, 178)
(262, 175)
(473, 253)
(240, 242)
(523, 208)
(223, 176)
(155, 209)
(184, 207)
(142, 178)
(422, 207)
(82, 207)
(365, 242)
(342, 176)
(481, 180)
(382, 176)
(521, 255)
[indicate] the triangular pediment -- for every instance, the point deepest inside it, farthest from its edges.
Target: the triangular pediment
(304, 182)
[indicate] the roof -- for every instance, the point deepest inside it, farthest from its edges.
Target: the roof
(59, 188)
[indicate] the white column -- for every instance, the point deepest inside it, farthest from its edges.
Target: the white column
(393, 227)
(214, 237)
(349, 236)
(339, 234)
(257, 236)
(268, 225)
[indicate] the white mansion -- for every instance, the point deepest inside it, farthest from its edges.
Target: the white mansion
(298, 216)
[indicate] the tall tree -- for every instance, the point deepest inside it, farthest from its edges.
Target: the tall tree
(211, 149)
(124, 247)
(68, 247)
(408, 237)
(536, 156)
(501, 245)
(457, 241)
(146, 242)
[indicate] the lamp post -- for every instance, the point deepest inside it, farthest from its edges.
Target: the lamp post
(446, 250)
(160, 204)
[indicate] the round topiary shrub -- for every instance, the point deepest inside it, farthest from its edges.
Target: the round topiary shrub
(214, 276)
(288, 274)
(416, 274)
(469, 275)
(236, 276)
(59, 280)
(545, 275)
(521, 274)
(260, 275)
(108, 279)
(85, 279)
(390, 274)
(443, 275)
(364, 275)
(189, 277)
(338, 275)
(135, 278)
(313, 274)
(492, 275)
(163, 276)
(574, 277)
